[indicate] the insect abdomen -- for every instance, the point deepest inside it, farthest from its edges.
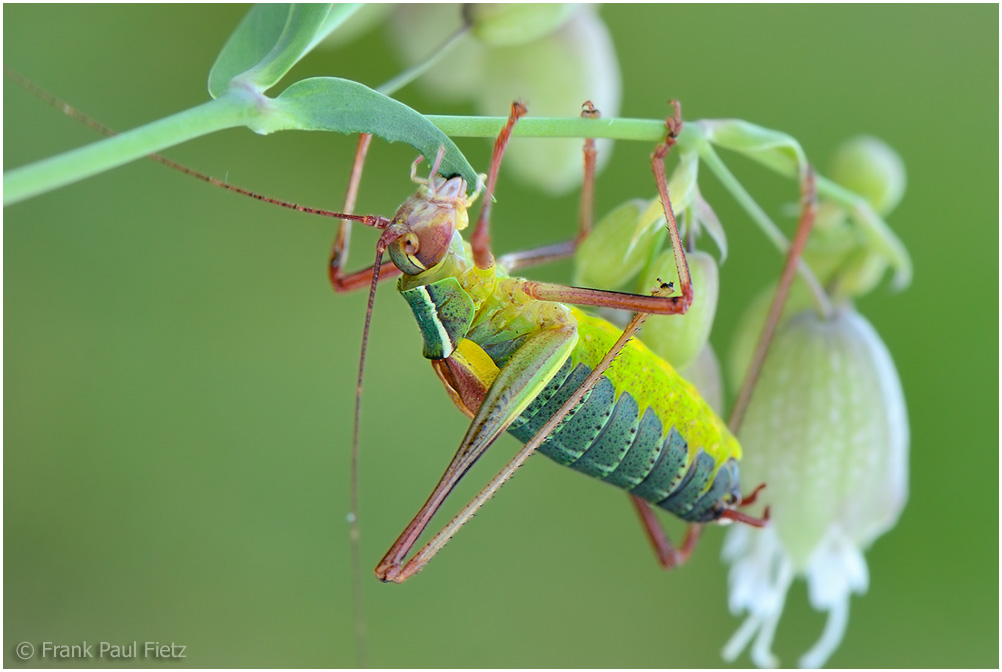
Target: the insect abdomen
(609, 437)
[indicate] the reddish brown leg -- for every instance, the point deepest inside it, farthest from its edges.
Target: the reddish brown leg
(668, 556)
(586, 213)
(347, 282)
(809, 210)
(752, 496)
(649, 304)
(481, 239)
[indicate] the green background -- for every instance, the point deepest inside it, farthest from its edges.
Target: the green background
(180, 375)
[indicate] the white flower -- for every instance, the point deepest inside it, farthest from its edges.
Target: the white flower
(827, 432)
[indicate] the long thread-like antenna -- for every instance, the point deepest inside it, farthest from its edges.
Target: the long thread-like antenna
(339, 255)
(355, 534)
(69, 110)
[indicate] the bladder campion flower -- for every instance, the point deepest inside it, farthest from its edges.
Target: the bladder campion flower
(552, 57)
(827, 431)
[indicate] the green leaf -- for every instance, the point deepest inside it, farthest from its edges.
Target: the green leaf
(270, 40)
(774, 149)
(333, 104)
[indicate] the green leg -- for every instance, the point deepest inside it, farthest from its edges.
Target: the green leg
(518, 383)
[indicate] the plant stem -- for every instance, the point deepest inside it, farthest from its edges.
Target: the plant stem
(409, 75)
(646, 130)
(57, 171)
(769, 228)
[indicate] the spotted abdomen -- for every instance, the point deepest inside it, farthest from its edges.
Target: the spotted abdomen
(609, 438)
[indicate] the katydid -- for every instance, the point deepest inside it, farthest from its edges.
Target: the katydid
(512, 356)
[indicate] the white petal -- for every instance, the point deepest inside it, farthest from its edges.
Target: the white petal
(759, 580)
(836, 568)
(838, 618)
(739, 640)
(761, 653)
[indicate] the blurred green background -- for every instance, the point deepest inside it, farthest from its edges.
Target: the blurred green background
(181, 376)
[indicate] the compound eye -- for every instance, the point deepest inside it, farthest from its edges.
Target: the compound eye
(404, 253)
(411, 244)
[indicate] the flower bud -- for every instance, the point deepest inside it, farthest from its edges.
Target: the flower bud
(679, 338)
(827, 430)
(619, 245)
(554, 75)
(872, 169)
(552, 57)
(506, 25)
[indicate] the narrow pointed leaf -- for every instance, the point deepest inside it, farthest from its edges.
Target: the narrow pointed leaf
(333, 104)
(776, 150)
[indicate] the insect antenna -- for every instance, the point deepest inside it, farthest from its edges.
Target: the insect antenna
(40, 93)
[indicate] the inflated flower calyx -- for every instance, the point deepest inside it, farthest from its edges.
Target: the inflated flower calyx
(571, 42)
(619, 245)
(871, 168)
(680, 338)
(554, 75)
(706, 376)
(508, 25)
(827, 430)
(749, 327)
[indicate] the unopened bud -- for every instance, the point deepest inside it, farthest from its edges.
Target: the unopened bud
(872, 169)
(554, 75)
(507, 25)
(679, 338)
(619, 245)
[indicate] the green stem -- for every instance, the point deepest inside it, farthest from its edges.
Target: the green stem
(645, 130)
(57, 171)
(409, 75)
(769, 228)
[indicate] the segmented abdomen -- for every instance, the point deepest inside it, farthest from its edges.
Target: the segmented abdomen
(608, 437)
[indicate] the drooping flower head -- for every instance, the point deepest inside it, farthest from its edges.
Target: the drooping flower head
(827, 430)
